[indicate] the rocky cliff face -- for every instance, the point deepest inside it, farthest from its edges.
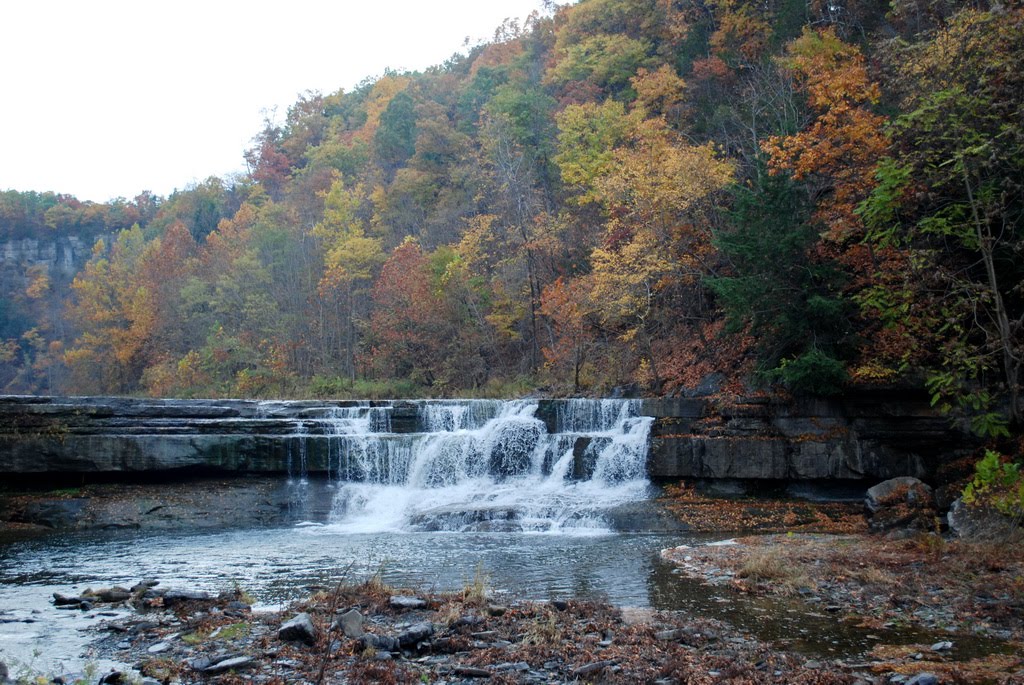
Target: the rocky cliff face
(60, 257)
(871, 437)
(868, 436)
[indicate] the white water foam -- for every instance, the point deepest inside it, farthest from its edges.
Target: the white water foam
(491, 466)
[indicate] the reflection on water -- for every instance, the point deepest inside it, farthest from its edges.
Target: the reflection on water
(278, 565)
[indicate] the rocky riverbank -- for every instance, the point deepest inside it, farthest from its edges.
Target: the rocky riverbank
(940, 611)
(370, 633)
(963, 598)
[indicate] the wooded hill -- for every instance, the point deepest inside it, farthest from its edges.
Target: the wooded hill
(623, 192)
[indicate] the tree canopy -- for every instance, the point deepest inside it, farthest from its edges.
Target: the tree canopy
(617, 192)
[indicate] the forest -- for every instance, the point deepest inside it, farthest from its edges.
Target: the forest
(801, 195)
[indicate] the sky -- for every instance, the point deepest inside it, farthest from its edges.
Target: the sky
(107, 98)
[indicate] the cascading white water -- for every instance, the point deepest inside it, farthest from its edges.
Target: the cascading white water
(489, 465)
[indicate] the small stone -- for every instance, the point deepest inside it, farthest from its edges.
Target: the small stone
(943, 646)
(560, 604)
(200, 662)
(112, 678)
(233, 663)
(404, 602)
(416, 634)
(299, 629)
(496, 609)
(468, 620)
(471, 672)
(159, 648)
(591, 668)
(924, 679)
(350, 623)
(380, 642)
(484, 634)
(150, 681)
(517, 666)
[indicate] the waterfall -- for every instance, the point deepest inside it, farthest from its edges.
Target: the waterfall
(486, 465)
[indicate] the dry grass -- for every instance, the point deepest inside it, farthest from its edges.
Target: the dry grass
(544, 631)
(772, 566)
(477, 591)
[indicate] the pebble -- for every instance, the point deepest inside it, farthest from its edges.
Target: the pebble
(942, 646)
(159, 648)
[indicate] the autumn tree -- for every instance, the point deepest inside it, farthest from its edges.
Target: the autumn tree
(838, 152)
(951, 197)
(114, 310)
(652, 186)
(405, 330)
(350, 259)
(788, 298)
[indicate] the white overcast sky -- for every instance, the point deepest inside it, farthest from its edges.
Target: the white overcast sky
(107, 98)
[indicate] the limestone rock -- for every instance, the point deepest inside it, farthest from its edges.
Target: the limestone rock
(299, 629)
(404, 602)
(903, 502)
(970, 521)
(415, 634)
(351, 623)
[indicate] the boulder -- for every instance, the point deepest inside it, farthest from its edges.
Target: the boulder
(299, 629)
(977, 521)
(172, 597)
(351, 623)
(415, 634)
(381, 643)
(903, 502)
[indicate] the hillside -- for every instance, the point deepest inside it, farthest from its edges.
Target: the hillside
(656, 194)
